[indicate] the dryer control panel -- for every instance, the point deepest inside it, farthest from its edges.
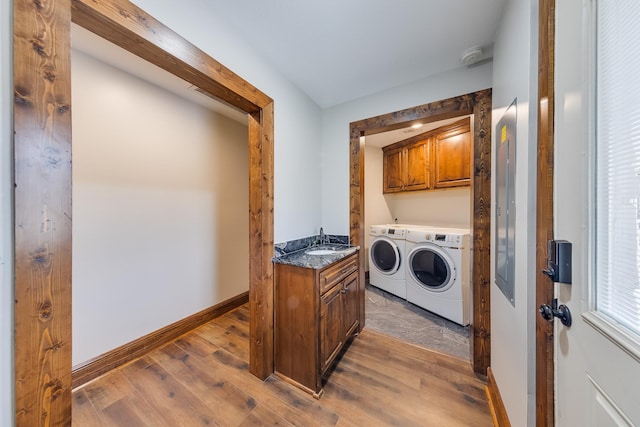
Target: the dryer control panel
(441, 239)
(446, 239)
(389, 231)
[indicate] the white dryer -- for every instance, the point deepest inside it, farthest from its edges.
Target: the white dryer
(386, 259)
(438, 271)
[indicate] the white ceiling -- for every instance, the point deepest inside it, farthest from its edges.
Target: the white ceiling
(340, 50)
(335, 50)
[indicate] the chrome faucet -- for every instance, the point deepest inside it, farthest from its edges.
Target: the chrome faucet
(321, 236)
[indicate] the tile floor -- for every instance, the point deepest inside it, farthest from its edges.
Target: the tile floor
(394, 316)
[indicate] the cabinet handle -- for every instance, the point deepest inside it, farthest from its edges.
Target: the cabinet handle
(344, 291)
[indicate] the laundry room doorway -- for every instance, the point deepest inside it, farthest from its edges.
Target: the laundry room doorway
(478, 105)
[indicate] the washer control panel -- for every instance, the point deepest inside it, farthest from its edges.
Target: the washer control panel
(389, 231)
(396, 232)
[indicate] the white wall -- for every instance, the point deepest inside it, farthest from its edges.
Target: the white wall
(297, 190)
(6, 212)
(335, 130)
(450, 207)
(376, 202)
(513, 328)
(160, 207)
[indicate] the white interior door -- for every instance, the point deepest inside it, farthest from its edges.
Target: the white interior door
(597, 358)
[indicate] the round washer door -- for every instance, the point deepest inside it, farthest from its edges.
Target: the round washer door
(384, 255)
(431, 267)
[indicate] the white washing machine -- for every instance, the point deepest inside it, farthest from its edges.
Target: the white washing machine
(386, 259)
(438, 271)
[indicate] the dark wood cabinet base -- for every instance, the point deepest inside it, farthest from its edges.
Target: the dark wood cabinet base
(316, 314)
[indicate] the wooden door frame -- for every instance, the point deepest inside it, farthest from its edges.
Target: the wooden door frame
(478, 104)
(42, 174)
(545, 383)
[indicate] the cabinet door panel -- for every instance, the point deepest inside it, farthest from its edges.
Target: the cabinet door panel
(417, 176)
(393, 171)
(351, 304)
(331, 326)
(452, 154)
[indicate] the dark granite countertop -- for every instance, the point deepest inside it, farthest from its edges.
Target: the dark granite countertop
(302, 257)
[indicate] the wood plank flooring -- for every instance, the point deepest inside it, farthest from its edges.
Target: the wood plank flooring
(202, 379)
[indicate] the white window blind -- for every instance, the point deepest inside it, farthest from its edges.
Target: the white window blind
(617, 186)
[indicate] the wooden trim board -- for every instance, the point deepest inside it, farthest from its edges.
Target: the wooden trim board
(496, 405)
(97, 366)
(544, 213)
(42, 212)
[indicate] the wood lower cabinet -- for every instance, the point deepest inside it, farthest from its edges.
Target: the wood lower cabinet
(331, 328)
(317, 311)
(338, 318)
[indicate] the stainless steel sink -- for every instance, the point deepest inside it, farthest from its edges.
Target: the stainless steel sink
(322, 252)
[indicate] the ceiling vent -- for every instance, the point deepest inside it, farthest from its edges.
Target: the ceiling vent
(471, 55)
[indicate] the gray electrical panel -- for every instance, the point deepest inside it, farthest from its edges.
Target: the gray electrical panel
(506, 202)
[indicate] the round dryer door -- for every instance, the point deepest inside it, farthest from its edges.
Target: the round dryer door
(385, 255)
(432, 268)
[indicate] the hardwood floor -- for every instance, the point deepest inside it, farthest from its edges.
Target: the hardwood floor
(202, 379)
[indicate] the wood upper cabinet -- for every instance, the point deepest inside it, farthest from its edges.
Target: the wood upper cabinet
(436, 159)
(394, 170)
(406, 166)
(417, 169)
(316, 312)
(452, 156)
